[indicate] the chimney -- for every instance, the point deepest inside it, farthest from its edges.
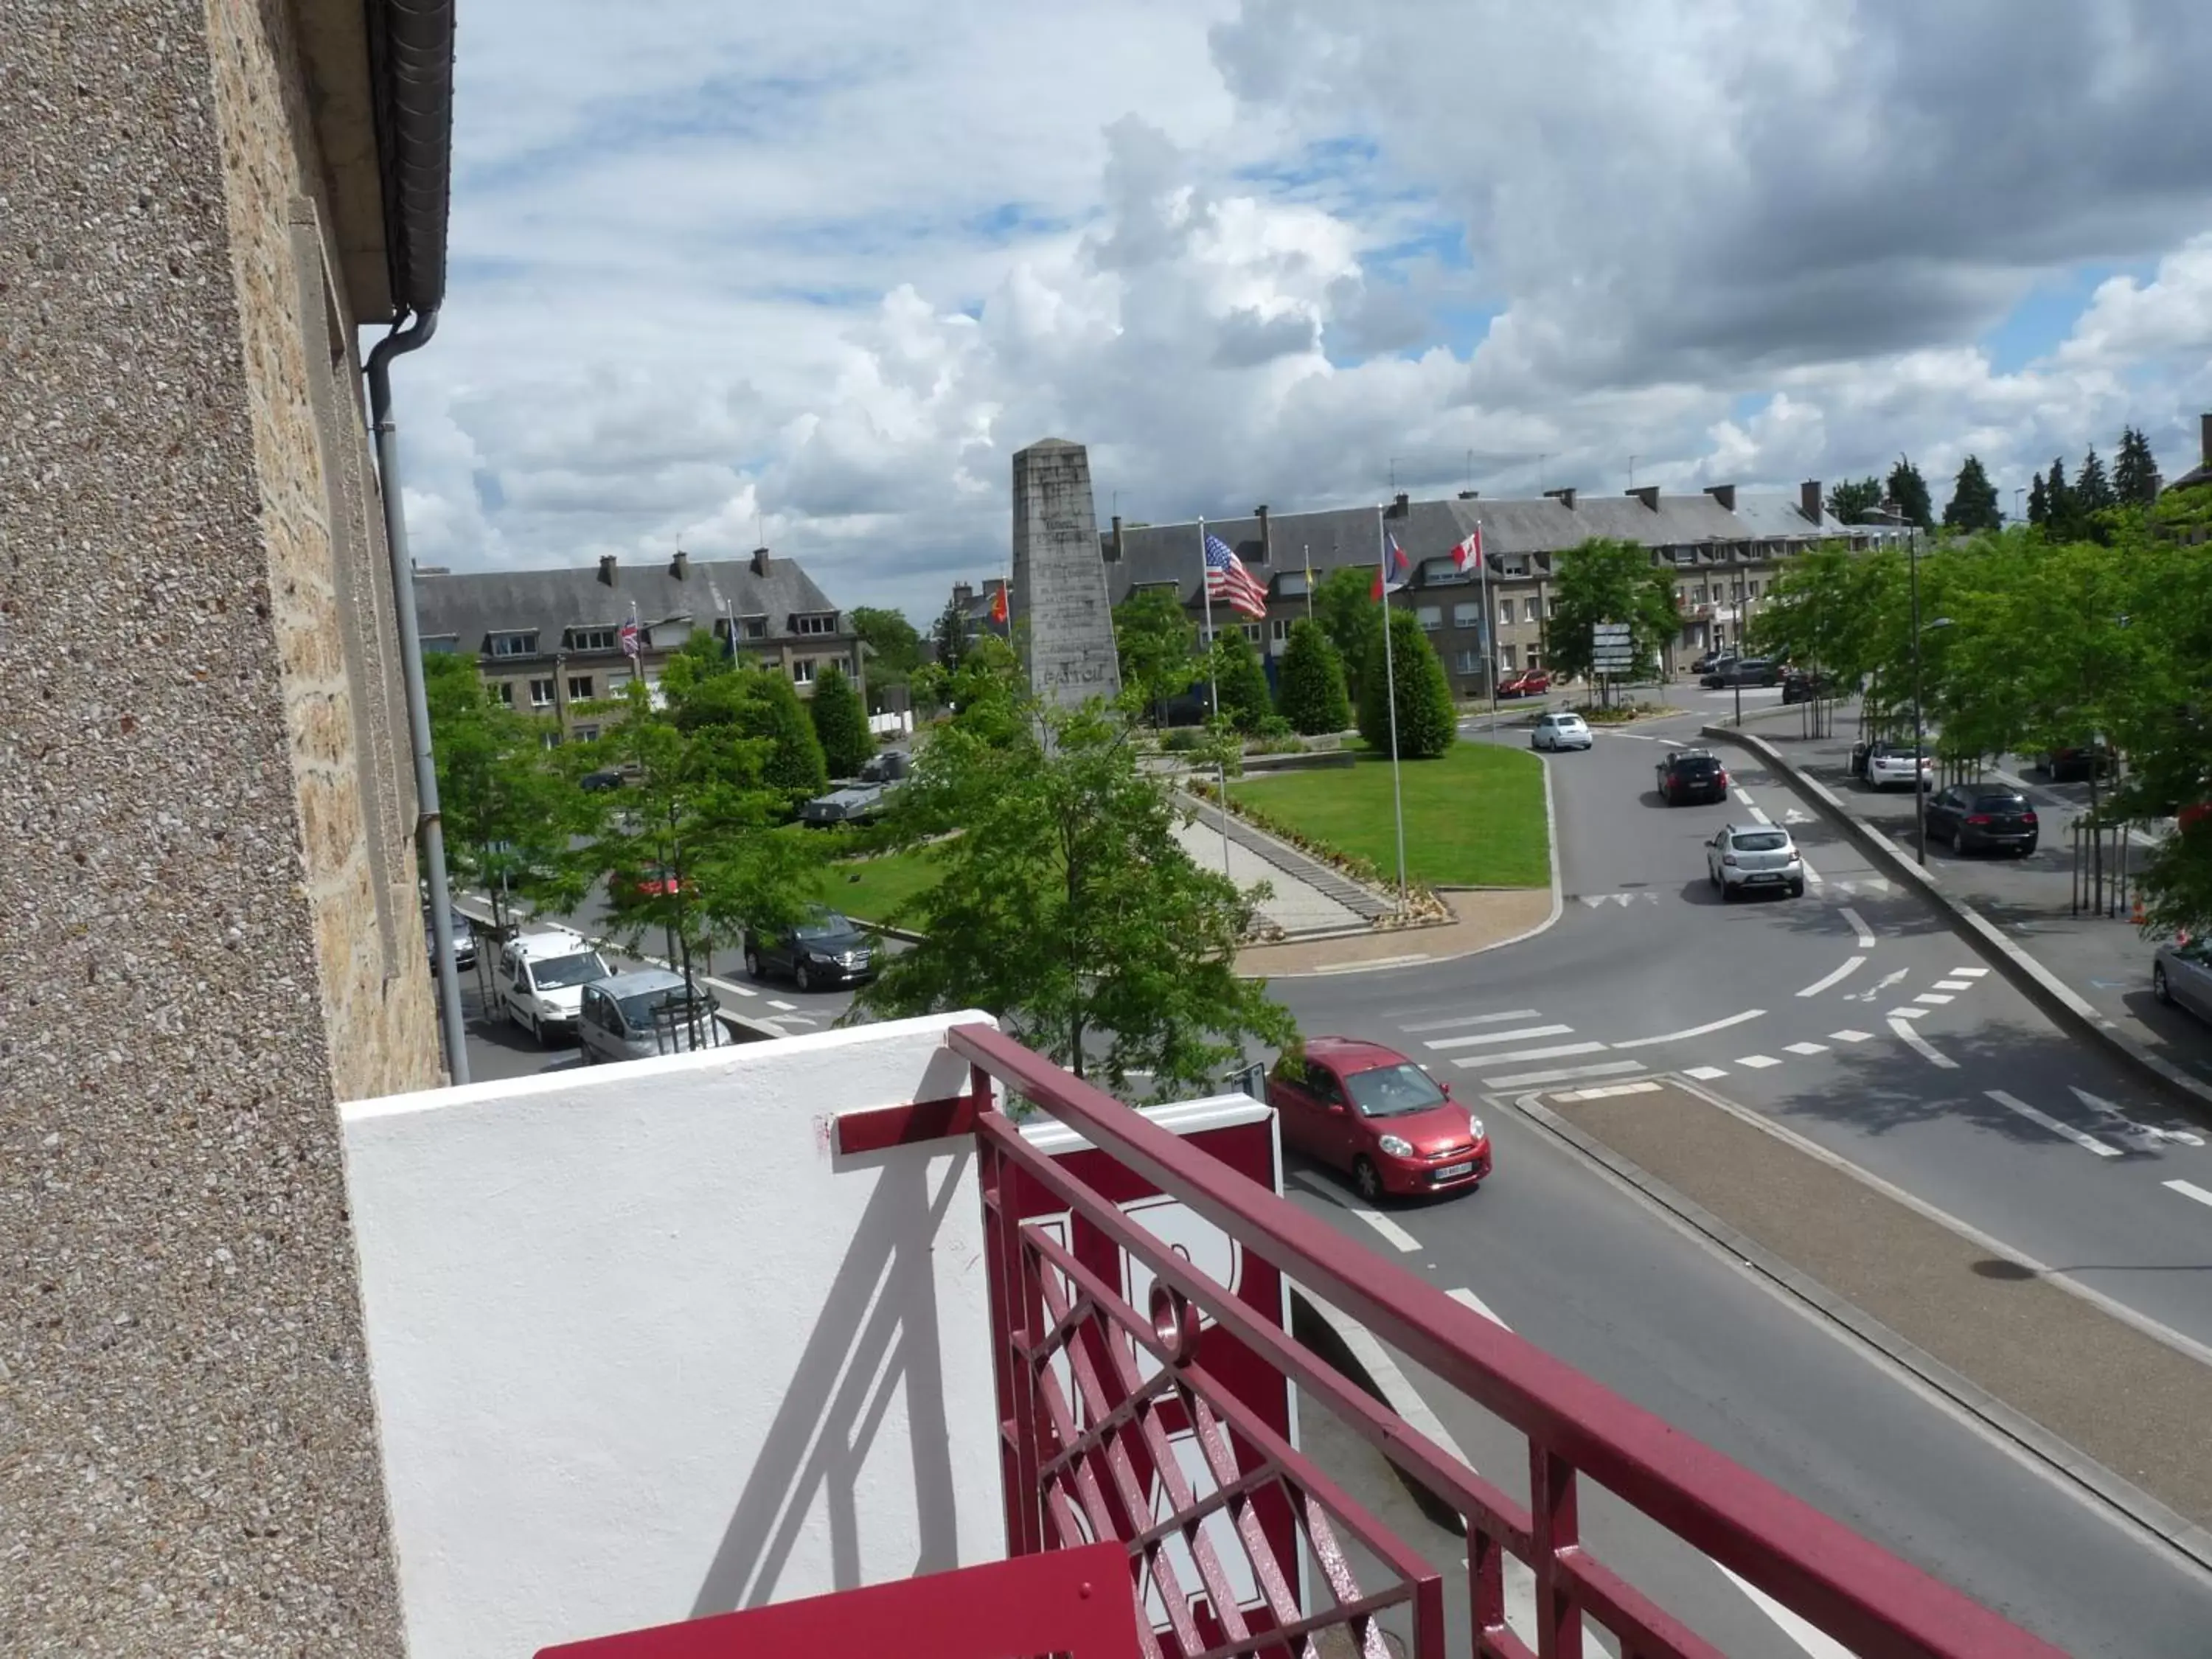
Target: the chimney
(963, 595)
(680, 566)
(1404, 502)
(1469, 495)
(1808, 499)
(761, 562)
(1117, 554)
(1647, 494)
(2204, 434)
(607, 568)
(1565, 497)
(1266, 547)
(1724, 493)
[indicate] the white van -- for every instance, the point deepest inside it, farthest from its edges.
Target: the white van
(542, 978)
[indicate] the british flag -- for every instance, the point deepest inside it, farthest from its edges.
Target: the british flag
(631, 636)
(1226, 578)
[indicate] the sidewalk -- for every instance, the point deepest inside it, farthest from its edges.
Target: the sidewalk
(2101, 960)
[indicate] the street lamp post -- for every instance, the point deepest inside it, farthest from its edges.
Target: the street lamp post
(1919, 783)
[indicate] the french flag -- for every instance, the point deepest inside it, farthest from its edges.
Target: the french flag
(1401, 572)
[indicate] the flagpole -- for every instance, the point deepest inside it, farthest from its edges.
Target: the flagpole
(637, 657)
(1306, 554)
(1213, 690)
(1390, 696)
(1489, 627)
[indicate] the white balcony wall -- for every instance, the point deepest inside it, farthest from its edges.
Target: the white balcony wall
(644, 1347)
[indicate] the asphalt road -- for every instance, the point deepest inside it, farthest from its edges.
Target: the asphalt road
(1826, 1012)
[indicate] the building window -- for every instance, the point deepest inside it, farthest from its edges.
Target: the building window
(1699, 591)
(541, 694)
(1753, 588)
(1466, 616)
(1505, 658)
(814, 624)
(1159, 588)
(1291, 585)
(551, 739)
(1505, 611)
(752, 627)
(586, 733)
(1252, 632)
(592, 639)
(1550, 604)
(1535, 658)
(1430, 616)
(580, 688)
(1434, 571)
(802, 671)
(1531, 609)
(1467, 662)
(1278, 628)
(504, 690)
(514, 645)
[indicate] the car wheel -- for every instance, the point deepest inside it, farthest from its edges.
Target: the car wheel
(801, 978)
(1728, 894)
(2159, 987)
(752, 963)
(1367, 1178)
(1796, 890)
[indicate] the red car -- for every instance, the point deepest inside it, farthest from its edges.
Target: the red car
(658, 881)
(1528, 683)
(1368, 1109)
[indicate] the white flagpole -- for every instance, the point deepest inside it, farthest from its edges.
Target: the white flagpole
(1390, 694)
(1213, 689)
(637, 640)
(1489, 629)
(1306, 553)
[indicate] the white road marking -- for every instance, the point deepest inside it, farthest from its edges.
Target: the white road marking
(1817, 1642)
(1809, 1048)
(785, 1007)
(1968, 973)
(798, 1019)
(1694, 1031)
(1671, 743)
(1887, 981)
(1920, 1045)
(1490, 1037)
(1608, 1091)
(1706, 1074)
(1933, 999)
(1760, 816)
(1852, 965)
(1743, 795)
(1756, 1062)
(1849, 1036)
(1373, 962)
(2015, 1104)
(744, 990)
(2189, 1190)
(1858, 925)
(1564, 1074)
(1811, 874)
(1382, 1223)
(1471, 1019)
(1469, 1298)
(2098, 1104)
(1639, 736)
(1557, 1051)
(1955, 985)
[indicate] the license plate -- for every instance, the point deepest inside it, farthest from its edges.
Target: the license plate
(1453, 1171)
(1763, 876)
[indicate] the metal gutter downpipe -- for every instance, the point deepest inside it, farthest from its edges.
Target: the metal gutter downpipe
(430, 827)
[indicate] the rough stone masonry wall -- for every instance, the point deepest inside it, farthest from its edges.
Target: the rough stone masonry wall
(188, 1460)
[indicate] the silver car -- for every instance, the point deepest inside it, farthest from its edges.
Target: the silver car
(638, 1015)
(1890, 766)
(1560, 729)
(1752, 858)
(2181, 972)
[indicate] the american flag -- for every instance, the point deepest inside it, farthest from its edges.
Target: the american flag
(1226, 578)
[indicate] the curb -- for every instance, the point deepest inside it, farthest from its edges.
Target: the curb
(2168, 1525)
(2065, 1005)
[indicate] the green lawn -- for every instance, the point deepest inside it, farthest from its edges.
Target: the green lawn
(870, 888)
(1474, 817)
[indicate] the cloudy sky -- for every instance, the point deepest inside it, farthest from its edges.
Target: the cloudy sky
(727, 273)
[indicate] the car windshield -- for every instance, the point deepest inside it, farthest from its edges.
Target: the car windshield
(558, 972)
(2001, 804)
(828, 925)
(1392, 1090)
(1697, 764)
(639, 1007)
(1760, 841)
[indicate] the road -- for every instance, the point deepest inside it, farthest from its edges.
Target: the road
(1857, 1018)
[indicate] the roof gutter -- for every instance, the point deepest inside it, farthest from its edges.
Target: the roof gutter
(410, 46)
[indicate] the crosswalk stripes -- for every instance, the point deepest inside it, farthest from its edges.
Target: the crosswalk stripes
(1486, 1039)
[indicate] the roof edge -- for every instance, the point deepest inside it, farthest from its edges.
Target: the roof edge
(410, 45)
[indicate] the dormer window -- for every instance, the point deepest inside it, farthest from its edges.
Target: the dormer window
(820, 622)
(514, 645)
(592, 639)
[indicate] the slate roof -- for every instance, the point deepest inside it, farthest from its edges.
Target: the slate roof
(468, 606)
(1429, 530)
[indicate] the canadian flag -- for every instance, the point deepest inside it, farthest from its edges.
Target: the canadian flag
(1467, 555)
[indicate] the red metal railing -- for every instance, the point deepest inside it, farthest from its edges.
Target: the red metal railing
(1093, 1392)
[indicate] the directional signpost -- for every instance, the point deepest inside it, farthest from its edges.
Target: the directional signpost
(1612, 650)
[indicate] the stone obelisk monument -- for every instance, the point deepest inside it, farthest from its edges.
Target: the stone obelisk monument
(1065, 621)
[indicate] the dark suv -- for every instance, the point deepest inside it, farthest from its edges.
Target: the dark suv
(824, 949)
(1692, 775)
(1971, 815)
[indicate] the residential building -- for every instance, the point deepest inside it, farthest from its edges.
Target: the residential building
(1725, 546)
(550, 641)
(213, 933)
(2201, 472)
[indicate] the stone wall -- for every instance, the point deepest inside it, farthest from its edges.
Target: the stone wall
(208, 932)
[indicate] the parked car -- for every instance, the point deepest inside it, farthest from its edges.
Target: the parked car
(594, 782)
(1706, 664)
(1742, 670)
(1746, 857)
(637, 1016)
(1800, 685)
(464, 940)
(1889, 766)
(1715, 675)
(2092, 758)
(2181, 974)
(846, 805)
(1560, 729)
(891, 766)
(1528, 683)
(1692, 775)
(1369, 1110)
(1973, 815)
(826, 948)
(657, 881)
(542, 978)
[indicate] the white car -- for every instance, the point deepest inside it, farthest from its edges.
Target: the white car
(1749, 858)
(1560, 729)
(1889, 766)
(542, 978)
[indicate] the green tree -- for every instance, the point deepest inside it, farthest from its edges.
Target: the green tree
(1604, 580)
(1157, 645)
(2038, 502)
(1909, 490)
(896, 648)
(841, 724)
(1973, 506)
(1240, 680)
(2135, 472)
(949, 636)
(2093, 490)
(508, 810)
(1855, 500)
(2062, 516)
(1312, 698)
(1065, 906)
(770, 708)
(1427, 724)
(1344, 604)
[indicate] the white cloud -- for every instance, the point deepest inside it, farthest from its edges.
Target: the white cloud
(815, 274)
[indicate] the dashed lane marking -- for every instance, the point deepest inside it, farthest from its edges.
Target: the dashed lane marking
(1471, 1019)
(1556, 1051)
(1756, 1062)
(1390, 1229)
(1489, 1038)
(2189, 1190)
(1563, 1074)
(1933, 999)
(2079, 1137)
(1955, 985)
(1858, 925)
(1921, 1046)
(1743, 795)
(783, 1007)
(1968, 973)
(1809, 1048)
(2104, 1107)
(1849, 1036)
(1706, 1074)
(1760, 816)
(1909, 1013)
(1852, 965)
(1811, 874)
(1694, 1031)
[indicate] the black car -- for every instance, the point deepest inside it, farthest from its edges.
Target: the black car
(1799, 685)
(1709, 661)
(2090, 758)
(1741, 670)
(595, 783)
(1692, 775)
(826, 948)
(1970, 815)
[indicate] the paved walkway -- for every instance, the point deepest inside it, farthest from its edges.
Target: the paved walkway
(1282, 864)
(1296, 905)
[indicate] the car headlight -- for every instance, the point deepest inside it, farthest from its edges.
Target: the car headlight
(1396, 1145)
(1474, 1127)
